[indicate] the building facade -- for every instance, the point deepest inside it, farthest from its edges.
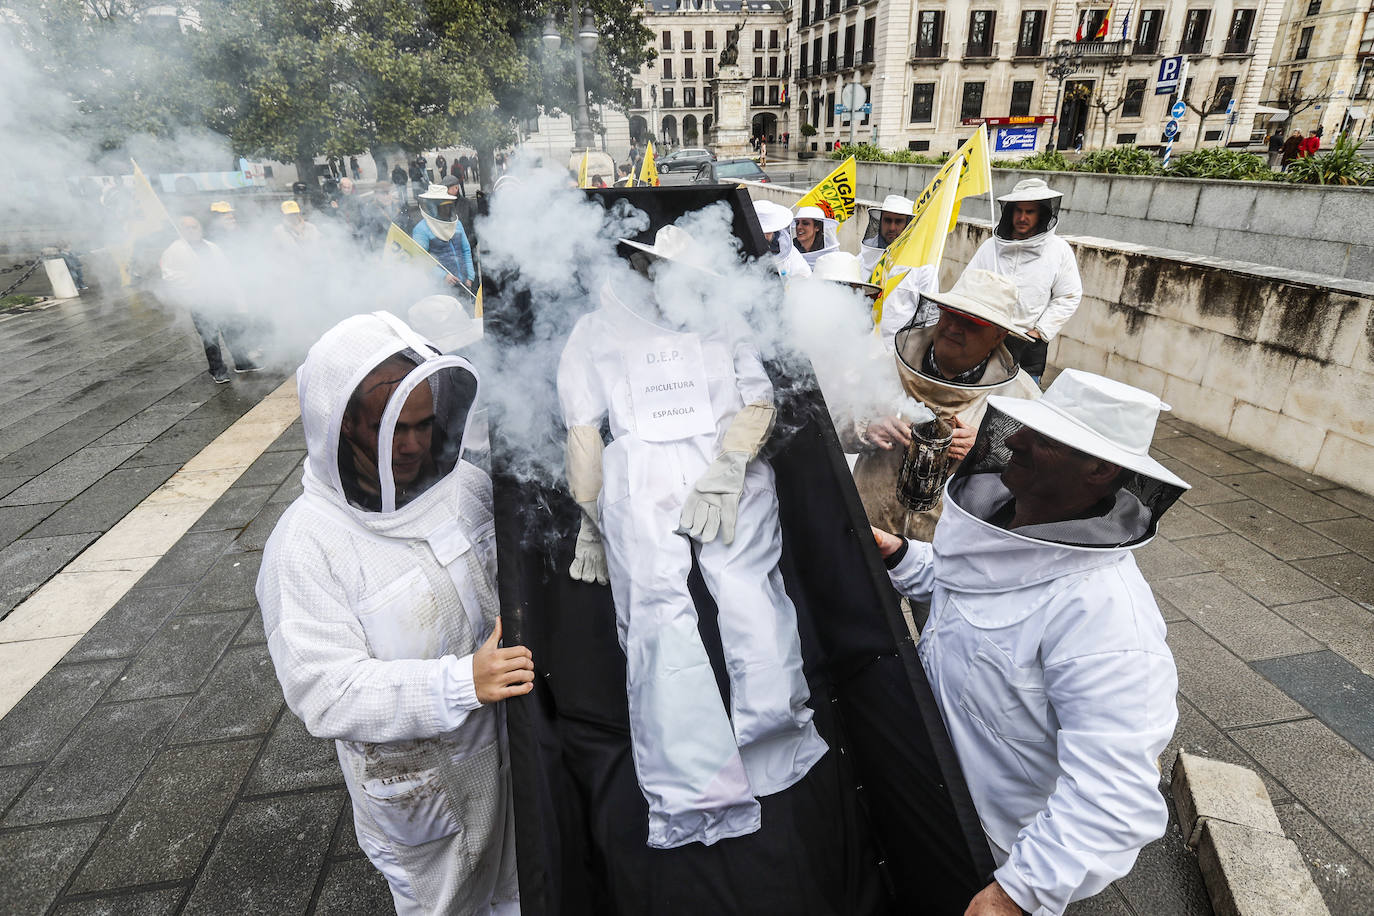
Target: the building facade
(1041, 71)
(1323, 66)
(671, 97)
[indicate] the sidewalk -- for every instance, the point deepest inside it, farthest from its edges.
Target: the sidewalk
(156, 770)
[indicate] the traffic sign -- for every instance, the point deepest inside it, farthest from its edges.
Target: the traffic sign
(1170, 70)
(840, 109)
(852, 96)
(1171, 129)
(1179, 109)
(867, 109)
(1231, 107)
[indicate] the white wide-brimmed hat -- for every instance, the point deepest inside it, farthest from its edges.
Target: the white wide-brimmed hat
(444, 321)
(815, 213)
(843, 267)
(896, 203)
(677, 245)
(436, 192)
(1030, 189)
(1096, 415)
(990, 297)
(772, 217)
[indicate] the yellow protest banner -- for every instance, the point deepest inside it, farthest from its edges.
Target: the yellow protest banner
(146, 217)
(582, 172)
(401, 247)
(648, 171)
(835, 192)
(975, 175)
(922, 242)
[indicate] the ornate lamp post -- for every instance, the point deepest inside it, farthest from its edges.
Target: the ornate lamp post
(1065, 61)
(587, 39)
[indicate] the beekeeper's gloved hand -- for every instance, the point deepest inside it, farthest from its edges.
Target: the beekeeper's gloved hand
(713, 505)
(589, 554)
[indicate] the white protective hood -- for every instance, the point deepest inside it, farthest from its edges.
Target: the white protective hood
(332, 371)
(440, 210)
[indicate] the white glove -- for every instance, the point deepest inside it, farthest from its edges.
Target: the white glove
(713, 504)
(589, 555)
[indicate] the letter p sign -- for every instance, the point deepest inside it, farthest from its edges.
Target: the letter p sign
(1170, 69)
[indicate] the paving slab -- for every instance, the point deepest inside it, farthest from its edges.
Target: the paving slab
(1183, 521)
(16, 521)
(1216, 680)
(235, 509)
(29, 562)
(1336, 691)
(1197, 735)
(69, 477)
(241, 697)
(272, 467)
(12, 782)
(1298, 503)
(1202, 456)
(94, 770)
(1341, 624)
(1327, 774)
(170, 818)
(1254, 570)
(228, 585)
(1296, 476)
(269, 857)
(1271, 530)
(1238, 621)
(181, 443)
(38, 724)
(126, 628)
(1362, 503)
(189, 559)
(38, 863)
(293, 759)
(149, 903)
(107, 501)
(353, 886)
(1350, 574)
(1162, 558)
(178, 657)
(1345, 880)
(146, 425)
(1355, 533)
(1166, 878)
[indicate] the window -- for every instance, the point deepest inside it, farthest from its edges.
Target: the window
(830, 109)
(1212, 135)
(922, 103)
(667, 68)
(980, 33)
(668, 97)
(758, 39)
(930, 27)
(1194, 32)
(687, 69)
(1294, 82)
(706, 97)
(1226, 88)
(758, 66)
(1135, 98)
(1092, 24)
(1147, 35)
(849, 46)
(816, 56)
(1021, 97)
(972, 104)
(1031, 34)
(773, 40)
(773, 67)
(804, 49)
(758, 96)
(689, 97)
(710, 67)
(815, 110)
(667, 43)
(918, 146)
(772, 95)
(686, 41)
(831, 62)
(1314, 7)
(1238, 39)
(710, 41)
(1125, 139)
(820, 11)
(1304, 43)
(638, 98)
(870, 39)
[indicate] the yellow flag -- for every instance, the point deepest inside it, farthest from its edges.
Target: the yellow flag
(582, 172)
(922, 242)
(146, 217)
(835, 193)
(648, 172)
(401, 247)
(975, 175)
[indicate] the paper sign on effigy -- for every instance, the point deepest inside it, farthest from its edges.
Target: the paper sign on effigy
(668, 390)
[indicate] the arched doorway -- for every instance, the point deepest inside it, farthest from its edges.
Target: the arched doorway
(706, 122)
(689, 130)
(669, 129)
(765, 125)
(1073, 112)
(639, 129)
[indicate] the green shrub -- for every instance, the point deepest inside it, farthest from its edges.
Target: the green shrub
(867, 152)
(1343, 165)
(808, 130)
(1043, 161)
(16, 300)
(1219, 162)
(1121, 160)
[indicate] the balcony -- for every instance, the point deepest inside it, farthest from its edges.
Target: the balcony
(1098, 50)
(1148, 47)
(832, 64)
(1025, 52)
(1241, 48)
(929, 52)
(847, 61)
(984, 50)
(867, 59)
(1195, 48)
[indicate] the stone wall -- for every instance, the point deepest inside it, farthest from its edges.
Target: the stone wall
(1277, 360)
(1321, 229)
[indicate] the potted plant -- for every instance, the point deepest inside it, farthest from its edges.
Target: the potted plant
(807, 131)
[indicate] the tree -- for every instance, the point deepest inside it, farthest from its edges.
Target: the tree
(1104, 104)
(1296, 100)
(1216, 99)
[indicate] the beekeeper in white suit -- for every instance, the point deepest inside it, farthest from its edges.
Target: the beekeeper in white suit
(688, 413)
(378, 597)
(1044, 647)
(776, 222)
(902, 304)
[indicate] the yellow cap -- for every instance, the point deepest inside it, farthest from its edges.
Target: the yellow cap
(290, 206)
(221, 206)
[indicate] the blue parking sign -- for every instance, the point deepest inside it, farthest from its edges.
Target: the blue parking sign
(1170, 69)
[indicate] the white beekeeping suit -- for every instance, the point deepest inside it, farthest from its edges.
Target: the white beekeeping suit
(776, 222)
(902, 305)
(687, 413)
(376, 588)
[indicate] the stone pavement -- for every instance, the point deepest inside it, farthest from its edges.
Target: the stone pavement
(156, 770)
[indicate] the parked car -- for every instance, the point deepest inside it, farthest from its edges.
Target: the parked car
(685, 160)
(727, 170)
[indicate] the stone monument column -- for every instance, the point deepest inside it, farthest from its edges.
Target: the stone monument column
(730, 126)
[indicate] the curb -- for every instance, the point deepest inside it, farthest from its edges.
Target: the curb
(1249, 866)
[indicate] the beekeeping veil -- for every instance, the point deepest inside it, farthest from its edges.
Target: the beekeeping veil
(440, 210)
(385, 415)
(1092, 415)
(892, 203)
(830, 242)
(1036, 191)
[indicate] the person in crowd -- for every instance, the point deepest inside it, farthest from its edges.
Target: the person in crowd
(1275, 145)
(464, 167)
(903, 304)
(441, 233)
(418, 180)
(1292, 147)
(814, 234)
(763, 151)
(354, 168)
(786, 139)
(1025, 248)
(377, 212)
(776, 222)
(623, 176)
(440, 167)
(294, 231)
(1311, 144)
(952, 368)
(399, 178)
(348, 207)
(378, 597)
(1044, 647)
(199, 278)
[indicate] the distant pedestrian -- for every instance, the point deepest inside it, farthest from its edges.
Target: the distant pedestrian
(1078, 143)
(398, 178)
(199, 278)
(378, 212)
(464, 165)
(440, 167)
(1292, 147)
(786, 139)
(293, 231)
(763, 152)
(1275, 141)
(1311, 144)
(418, 181)
(355, 168)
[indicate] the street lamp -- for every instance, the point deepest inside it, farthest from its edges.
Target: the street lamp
(587, 39)
(1064, 62)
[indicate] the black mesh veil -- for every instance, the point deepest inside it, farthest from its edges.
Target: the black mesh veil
(1127, 518)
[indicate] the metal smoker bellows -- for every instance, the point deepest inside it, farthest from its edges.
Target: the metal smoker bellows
(923, 467)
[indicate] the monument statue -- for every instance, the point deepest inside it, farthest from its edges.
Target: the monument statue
(729, 55)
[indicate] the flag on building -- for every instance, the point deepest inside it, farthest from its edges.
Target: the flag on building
(1104, 29)
(1082, 19)
(835, 192)
(648, 171)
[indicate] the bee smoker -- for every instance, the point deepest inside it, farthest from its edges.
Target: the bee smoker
(923, 467)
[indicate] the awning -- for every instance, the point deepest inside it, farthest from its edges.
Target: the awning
(1271, 112)
(1355, 113)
